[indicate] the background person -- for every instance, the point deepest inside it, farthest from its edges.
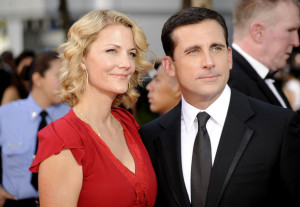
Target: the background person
(19, 88)
(94, 155)
(7, 57)
(5, 77)
(19, 124)
(265, 32)
(163, 92)
(141, 110)
(292, 81)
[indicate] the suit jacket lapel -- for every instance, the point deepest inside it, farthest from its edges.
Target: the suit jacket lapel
(262, 84)
(168, 147)
(248, 69)
(234, 139)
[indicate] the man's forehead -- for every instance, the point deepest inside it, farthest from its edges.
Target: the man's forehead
(182, 31)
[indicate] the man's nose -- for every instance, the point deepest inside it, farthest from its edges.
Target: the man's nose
(208, 61)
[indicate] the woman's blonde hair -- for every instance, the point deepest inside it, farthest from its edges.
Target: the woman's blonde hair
(81, 35)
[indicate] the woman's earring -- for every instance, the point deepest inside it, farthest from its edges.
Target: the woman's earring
(87, 77)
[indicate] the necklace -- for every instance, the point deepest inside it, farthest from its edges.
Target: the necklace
(85, 119)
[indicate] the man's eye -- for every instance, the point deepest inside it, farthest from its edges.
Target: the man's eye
(217, 48)
(192, 51)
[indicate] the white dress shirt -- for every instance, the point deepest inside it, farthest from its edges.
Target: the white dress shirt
(189, 128)
(262, 71)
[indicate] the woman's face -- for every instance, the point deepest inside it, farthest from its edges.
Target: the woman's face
(110, 60)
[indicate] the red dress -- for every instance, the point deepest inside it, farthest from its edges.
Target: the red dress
(106, 181)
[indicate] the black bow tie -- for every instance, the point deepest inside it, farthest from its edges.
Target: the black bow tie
(271, 75)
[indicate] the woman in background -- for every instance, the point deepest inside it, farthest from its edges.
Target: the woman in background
(19, 88)
(94, 156)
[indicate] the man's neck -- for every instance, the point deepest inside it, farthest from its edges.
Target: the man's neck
(40, 98)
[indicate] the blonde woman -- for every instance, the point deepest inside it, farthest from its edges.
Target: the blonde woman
(94, 156)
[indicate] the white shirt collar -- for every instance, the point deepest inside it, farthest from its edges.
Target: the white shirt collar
(260, 68)
(217, 110)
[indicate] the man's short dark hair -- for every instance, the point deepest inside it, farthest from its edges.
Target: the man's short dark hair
(192, 15)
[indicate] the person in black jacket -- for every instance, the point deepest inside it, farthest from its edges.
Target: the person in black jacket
(265, 32)
(249, 150)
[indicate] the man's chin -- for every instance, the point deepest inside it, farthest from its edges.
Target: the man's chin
(57, 101)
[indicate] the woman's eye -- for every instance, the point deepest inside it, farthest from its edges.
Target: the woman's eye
(132, 54)
(111, 50)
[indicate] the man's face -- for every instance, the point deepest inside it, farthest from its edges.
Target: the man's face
(281, 35)
(163, 93)
(201, 62)
(49, 83)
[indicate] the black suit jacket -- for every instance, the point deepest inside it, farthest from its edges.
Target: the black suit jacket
(245, 79)
(257, 162)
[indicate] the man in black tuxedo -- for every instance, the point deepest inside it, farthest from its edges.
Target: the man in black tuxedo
(218, 147)
(265, 32)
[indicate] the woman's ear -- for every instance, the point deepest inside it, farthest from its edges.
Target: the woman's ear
(168, 66)
(83, 64)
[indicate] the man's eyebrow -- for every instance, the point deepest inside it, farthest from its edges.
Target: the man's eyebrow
(194, 47)
(218, 45)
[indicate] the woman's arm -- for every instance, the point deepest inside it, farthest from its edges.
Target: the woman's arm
(60, 180)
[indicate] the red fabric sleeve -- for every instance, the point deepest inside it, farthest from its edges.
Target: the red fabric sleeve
(62, 134)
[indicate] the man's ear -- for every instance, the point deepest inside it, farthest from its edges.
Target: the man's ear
(36, 79)
(168, 66)
(257, 32)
